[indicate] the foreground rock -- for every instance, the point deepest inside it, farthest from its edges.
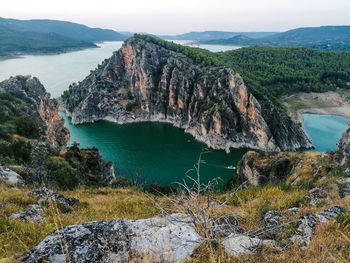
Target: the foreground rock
(10, 176)
(259, 168)
(342, 156)
(344, 187)
(40, 108)
(33, 213)
(308, 224)
(45, 194)
(92, 169)
(158, 239)
(237, 245)
(146, 80)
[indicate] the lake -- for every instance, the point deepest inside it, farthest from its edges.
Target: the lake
(158, 152)
(325, 130)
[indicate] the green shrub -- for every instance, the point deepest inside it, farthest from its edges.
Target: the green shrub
(18, 150)
(27, 128)
(121, 182)
(344, 219)
(158, 189)
(62, 175)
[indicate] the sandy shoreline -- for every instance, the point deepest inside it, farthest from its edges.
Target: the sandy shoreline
(343, 111)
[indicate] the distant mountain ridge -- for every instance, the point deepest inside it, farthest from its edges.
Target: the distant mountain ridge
(333, 38)
(49, 36)
(67, 29)
(211, 35)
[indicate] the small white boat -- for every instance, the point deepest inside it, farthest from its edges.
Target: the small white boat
(231, 167)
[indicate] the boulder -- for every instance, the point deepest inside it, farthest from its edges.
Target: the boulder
(159, 239)
(308, 224)
(344, 187)
(45, 194)
(272, 219)
(239, 244)
(33, 213)
(10, 176)
(317, 195)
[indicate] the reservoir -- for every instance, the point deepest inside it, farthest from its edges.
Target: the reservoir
(154, 152)
(325, 130)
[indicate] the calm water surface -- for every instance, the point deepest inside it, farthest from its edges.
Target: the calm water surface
(56, 72)
(158, 152)
(325, 130)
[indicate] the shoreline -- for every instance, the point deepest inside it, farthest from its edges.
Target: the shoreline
(343, 111)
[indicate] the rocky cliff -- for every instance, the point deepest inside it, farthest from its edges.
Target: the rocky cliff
(148, 81)
(341, 157)
(35, 103)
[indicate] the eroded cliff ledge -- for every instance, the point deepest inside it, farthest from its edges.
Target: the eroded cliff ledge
(37, 105)
(146, 81)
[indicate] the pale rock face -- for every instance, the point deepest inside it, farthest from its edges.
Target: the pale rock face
(344, 186)
(160, 239)
(42, 109)
(239, 244)
(45, 194)
(33, 213)
(144, 81)
(308, 223)
(10, 176)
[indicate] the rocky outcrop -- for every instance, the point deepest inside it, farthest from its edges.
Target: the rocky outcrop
(148, 81)
(308, 223)
(92, 169)
(259, 168)
(44, 194)
(10, 176)
(344, 187)
(159, 239)
(342, 155)
(272, 219)
(39, 107)
(237, 244)
(33, 213)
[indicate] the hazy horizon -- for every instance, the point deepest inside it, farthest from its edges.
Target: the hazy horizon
(181, 16)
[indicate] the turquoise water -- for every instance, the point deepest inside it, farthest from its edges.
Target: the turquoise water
(325, 130)
(158, 152)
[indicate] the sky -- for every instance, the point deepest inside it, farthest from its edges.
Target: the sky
(180, 16)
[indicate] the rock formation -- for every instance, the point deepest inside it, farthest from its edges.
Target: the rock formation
(148, 81)
(33, 213)
(44, 194)
(40, 108)
(159, 239)
(341, 157)
(259, 168)
(10, 176)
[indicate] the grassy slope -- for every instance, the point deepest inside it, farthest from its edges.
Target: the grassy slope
(330, 243)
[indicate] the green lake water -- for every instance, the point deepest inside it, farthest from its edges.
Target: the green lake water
(325, 130)
(157, 152)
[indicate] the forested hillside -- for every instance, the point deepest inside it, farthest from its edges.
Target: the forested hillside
(290, 69)
(276, 70)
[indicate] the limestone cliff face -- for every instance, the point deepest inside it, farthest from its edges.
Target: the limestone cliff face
(144, 81)
(40, 107)
(342, 156)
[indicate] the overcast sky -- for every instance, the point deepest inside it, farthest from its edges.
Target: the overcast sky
(179, 16)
